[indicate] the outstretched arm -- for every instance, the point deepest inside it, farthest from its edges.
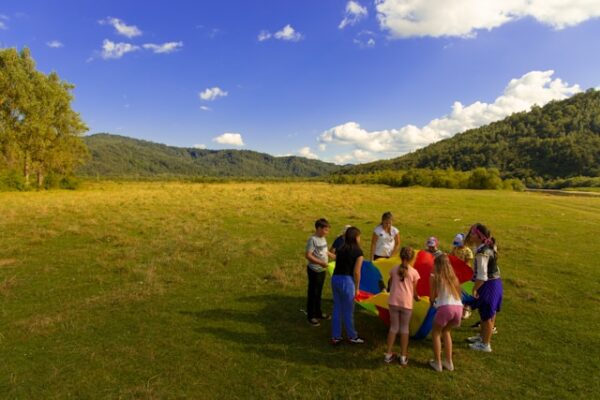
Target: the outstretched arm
(357, 268)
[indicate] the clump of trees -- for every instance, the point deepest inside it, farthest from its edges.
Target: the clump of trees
(40, 134)
(558, 141)
(479, 178)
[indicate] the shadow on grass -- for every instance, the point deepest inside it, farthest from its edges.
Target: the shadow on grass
(278, 330)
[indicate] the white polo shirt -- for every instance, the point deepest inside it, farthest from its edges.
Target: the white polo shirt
(385, 241)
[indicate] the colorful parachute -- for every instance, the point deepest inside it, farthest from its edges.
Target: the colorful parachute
(372, 298)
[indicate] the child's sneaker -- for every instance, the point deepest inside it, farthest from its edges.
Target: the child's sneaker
(314, 322)
(389, 358)
(476, 325)
(480, 346)
(474, 339)
(403, 361)
(326, 317)
(494, 331)
(448, 365)
(433, 364)
(466, 314)
(357, 340)
(335, 341)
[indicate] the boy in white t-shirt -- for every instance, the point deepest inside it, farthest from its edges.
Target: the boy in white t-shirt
(317, 255)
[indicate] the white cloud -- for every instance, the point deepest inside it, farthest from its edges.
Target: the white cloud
(360, 156)
(463, 18)
(164, 48)
(2, 23)
(354, 13)
(306, 152)
(535, 87)
(233, 139)
(288, 33)
(111, 50)
(322, 147)
(264, 35)
(55, 44)
(121, 27)
(365, 39)
(200, 146)
(210, 94)
(204, 108)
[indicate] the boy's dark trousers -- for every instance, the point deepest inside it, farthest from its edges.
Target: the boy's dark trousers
(315, 289)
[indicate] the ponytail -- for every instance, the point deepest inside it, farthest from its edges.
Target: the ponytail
(406, 254)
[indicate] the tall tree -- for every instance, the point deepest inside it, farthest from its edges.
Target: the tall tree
(39, 131)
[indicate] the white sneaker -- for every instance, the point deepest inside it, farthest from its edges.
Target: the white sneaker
(448, 365)
(433, 364)
(480, 346)
(474, 339)
(466, 314)
(403, 361)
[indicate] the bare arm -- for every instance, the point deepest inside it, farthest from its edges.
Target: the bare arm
(373, 245)
(482, 264)
(331, 255)
(314, 260)
(357, 268)
(433, 289)
(396, 244)
(415, 294)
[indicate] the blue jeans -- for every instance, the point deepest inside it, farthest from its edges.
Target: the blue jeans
(343, 306)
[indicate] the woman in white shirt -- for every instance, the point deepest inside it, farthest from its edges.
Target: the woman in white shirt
(385, 241)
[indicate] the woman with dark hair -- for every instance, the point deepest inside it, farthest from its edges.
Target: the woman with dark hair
(487, 290)
(344, 284)
(385, 241)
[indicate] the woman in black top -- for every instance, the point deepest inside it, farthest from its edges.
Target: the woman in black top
(344, 284)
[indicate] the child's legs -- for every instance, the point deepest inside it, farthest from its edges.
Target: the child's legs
(336, 319)
(452, 317)
(312, 293)
(446, 335)
(405, 315)
(320, 281)
(436, 334)
(394, 327)
(348, 290)
(487, 327)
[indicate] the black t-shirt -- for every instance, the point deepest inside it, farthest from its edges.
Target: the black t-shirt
(345, 259)
(338, 243)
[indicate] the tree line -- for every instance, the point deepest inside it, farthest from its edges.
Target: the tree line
(558, 141)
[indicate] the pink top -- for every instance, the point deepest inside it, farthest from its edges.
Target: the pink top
(402, 292)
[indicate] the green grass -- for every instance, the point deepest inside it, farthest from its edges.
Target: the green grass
(173, 290)
(584, 189)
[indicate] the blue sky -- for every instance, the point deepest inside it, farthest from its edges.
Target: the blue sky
(342, 81)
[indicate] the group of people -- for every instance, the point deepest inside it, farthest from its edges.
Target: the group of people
(446, 294)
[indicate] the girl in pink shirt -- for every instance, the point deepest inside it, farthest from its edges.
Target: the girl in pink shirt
(445, 297)
(403, 290)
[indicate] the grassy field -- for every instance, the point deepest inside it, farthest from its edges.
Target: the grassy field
(169, 290)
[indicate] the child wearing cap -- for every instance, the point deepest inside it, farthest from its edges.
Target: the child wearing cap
(431, 246)
(466, 254)
(460, 250)
(339, 241)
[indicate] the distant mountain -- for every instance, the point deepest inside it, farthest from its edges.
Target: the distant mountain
(559, 140)
(120, 156)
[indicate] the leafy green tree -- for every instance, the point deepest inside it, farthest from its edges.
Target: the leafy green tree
(39, 131)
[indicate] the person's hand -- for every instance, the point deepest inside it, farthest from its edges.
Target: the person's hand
(356, 292)
(475, 293)
(417, 298)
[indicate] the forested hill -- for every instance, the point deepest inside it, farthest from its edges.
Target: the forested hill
(119, 156)
(559, 140)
